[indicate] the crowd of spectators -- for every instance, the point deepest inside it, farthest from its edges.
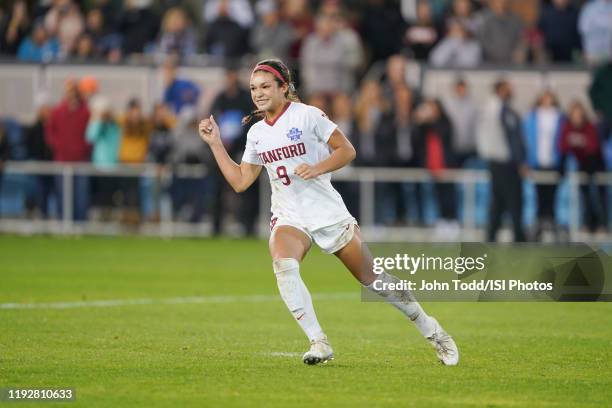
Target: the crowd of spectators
(330, 45)
(457, 33)
(390, 123)
(85, 126)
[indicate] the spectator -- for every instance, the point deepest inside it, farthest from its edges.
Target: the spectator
(329, 59)
(403, 99)
(239, 11)
(189, 191)
(596, 29)
(225, 38)
(178, 93)
(559, 25)
(375, 143)
(39, 47)
(298, 15)
(106, 44)
(229, 107)
(65, 131)
(499, 141)
(66, 127)
(104, 134)
(600, 93)
(501, 34)
(160, 145)
(138, 27)
(382, 40)
(271, 37)
(159, 151)
(351, 42)
(110, 10)
(422, 35)
(579, 138)
(434, 147)
(177, 35)
(457, 50)
(84, 50)
(462, 12)
(38, 149)
(542, 130)
(395, 72)
(14, 28)
(135, 135)
(342, 114)
(396, 88)
(65, 21)
(370, 107)
(463, 113)
(136, 131)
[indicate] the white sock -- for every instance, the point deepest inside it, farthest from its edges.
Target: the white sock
(406, 303)
(296, 296)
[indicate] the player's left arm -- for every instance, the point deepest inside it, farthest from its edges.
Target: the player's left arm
(342, 154)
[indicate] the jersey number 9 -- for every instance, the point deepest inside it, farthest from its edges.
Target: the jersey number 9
(281, 172)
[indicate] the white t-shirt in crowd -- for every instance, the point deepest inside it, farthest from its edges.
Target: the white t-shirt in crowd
(547, 122)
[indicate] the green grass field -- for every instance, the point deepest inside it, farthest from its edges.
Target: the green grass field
(219, 345)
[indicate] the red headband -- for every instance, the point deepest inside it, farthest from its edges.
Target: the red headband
(270, 70)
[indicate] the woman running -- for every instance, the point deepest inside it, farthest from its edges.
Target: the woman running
(300, 147)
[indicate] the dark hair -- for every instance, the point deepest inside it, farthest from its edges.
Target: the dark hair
(577, 104)
(550, 93)
(460, 81)
(499, 83)
(441, 109)
(291, 93)
(133, 103)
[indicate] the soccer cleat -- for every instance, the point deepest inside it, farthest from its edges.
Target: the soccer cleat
(320, 352)
(445, 346)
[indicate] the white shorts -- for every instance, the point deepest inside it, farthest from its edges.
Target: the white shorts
(330, 239)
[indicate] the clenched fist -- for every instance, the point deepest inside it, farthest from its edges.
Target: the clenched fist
(209, 131)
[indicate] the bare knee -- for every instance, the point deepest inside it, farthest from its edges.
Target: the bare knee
(288, 242)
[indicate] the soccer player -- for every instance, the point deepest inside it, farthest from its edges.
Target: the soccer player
(299, 147)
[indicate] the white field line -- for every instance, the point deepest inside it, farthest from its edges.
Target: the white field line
(283, 354)
(169, 301)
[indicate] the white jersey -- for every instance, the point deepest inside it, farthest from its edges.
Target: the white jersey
(298, 135)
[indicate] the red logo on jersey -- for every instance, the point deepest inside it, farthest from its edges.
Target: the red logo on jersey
(281, 153)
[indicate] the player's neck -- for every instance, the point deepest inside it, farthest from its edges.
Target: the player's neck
(272, 116)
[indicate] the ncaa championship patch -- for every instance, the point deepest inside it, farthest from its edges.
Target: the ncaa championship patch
(294, 134)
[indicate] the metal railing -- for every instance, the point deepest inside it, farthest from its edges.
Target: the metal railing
(365, 177)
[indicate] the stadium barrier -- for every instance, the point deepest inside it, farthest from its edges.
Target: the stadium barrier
(569, 84)
(20, 83)
(366, 178)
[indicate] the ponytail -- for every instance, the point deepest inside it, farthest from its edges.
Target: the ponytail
(256, 114)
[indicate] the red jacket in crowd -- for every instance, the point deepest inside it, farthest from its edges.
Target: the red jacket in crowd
(65, 132)
(580, 141)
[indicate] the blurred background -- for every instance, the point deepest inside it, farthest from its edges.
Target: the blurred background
(473, 120)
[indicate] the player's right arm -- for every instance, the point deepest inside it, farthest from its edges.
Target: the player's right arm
(239, 176)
